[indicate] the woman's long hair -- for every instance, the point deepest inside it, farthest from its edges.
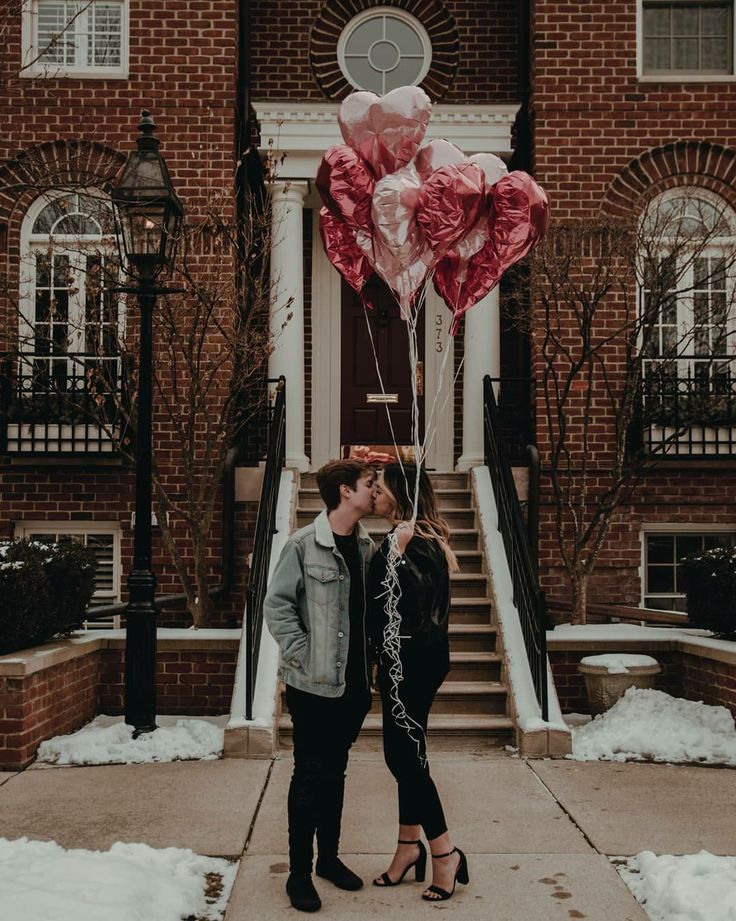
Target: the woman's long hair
(400, 484)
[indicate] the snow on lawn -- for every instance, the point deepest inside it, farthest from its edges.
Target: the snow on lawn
(696, 887)
(39, 881)
(653, 726)
(98, 744)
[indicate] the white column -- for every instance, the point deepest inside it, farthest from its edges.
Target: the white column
(482, 356)
(287, 310)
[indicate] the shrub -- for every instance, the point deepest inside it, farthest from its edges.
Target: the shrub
(709, 579)
(44, 591)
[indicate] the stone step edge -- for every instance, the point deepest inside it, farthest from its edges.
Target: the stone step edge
(454, 723)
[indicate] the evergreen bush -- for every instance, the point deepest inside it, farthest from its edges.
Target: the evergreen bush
(709, 579)
(44, 591)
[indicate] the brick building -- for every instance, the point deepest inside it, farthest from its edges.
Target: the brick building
(609, 104)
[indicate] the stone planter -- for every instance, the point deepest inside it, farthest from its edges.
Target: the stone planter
(608, 677)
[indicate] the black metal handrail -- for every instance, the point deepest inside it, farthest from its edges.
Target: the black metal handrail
(261, 557)
(528, 596)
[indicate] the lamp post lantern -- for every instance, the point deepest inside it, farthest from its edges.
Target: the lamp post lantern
(148, 219)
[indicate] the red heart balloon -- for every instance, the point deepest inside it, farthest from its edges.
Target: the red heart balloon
(346, 185)
(450, 204)
(342, 250)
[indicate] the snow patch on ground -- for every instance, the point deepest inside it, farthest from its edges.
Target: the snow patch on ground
(653, 726)
(618, 663)
(187, 740)
(39, 880)
(694, 887)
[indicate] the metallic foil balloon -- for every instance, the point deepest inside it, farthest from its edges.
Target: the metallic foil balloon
(519, 218)
(386, 131)
(433, 155)
(342, 250)
(461, 283)
(493, 167)
(404, 270)
(393, 210)
(346, 185)
(450, 204)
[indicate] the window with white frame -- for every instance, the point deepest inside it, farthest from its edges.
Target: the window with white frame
(383, 48)
(686, 38)
(71, 318)
(663, 550)
(102, 538)
(76, 38)
(688, 311)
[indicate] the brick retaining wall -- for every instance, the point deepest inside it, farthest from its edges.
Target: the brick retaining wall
(57, 688)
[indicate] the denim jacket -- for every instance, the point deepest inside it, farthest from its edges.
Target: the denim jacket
(307, 608)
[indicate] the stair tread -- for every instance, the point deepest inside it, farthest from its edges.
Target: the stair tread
(476, 602)
(477, 722)
(472, 628)
(474, 658)
(466, 688)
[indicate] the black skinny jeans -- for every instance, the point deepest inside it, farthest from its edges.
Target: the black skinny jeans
(324, 730)
(424, 671)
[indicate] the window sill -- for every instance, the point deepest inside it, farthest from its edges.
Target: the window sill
(80, 73)
(686, 78)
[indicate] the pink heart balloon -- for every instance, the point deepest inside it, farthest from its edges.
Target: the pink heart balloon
(519, 218)
(346, 185)
(343, 252)
(493, 167)
(404, 270)
(386, 131)
(450, 203)
(461, 283)
(393, 209)
(433, 155)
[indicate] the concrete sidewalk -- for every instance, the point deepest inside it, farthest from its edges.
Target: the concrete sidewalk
(538, 834)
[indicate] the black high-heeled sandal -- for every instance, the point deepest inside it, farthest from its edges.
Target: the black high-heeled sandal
(420, 868)
(461, 876)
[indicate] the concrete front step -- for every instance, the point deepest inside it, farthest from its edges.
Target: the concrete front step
(447, 731)
(472, 637)
(447, 500)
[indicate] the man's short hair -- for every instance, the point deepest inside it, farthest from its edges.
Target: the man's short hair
(339, 473)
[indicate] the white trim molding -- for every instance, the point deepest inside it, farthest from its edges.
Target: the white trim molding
(303, 131)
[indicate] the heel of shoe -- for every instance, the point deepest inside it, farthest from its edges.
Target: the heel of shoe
(462, 869)
(420, 867)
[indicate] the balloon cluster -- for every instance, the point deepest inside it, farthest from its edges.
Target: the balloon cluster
(405, 211)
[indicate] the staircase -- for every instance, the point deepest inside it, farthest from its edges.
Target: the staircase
(471, 708)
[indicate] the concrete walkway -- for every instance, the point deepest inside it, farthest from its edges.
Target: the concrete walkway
(538, 834)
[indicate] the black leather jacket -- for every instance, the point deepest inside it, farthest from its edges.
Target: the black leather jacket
(424, 604)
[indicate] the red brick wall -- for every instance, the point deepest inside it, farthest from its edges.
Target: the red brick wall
(62, 698)
(486, 70)
(51, 702)
(712, 682)
(603, 141)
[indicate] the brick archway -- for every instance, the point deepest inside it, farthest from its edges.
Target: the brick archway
(55, 165)
(682, 163)
(336, 14)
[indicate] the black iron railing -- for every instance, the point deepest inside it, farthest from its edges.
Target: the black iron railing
(688, 407)
(528, 596)
(61, 404)
(515, 403)
(261, 557)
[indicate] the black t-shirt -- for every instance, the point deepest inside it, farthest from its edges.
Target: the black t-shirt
(355, 670)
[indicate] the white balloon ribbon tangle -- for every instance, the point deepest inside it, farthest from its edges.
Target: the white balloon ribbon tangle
(412, 214)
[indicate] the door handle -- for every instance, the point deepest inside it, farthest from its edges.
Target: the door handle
(420, 378)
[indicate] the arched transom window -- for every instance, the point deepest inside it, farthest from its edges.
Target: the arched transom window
(383, 48)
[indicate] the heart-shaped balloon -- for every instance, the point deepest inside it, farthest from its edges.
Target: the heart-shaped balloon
(342, 250)
(393, 210)
(385, 130)
(404, 270)
(346, 185)
(450, 204)
(461, 283)
(434, 154)
(519, 218)
(493, 167)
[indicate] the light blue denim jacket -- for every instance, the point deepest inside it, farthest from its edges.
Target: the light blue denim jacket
(307, 608)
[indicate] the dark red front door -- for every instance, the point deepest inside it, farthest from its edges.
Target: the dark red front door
(363, 417)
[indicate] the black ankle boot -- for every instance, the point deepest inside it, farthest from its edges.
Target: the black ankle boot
(336, 872)
(301, 892)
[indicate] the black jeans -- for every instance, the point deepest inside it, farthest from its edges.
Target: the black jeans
(324, 730)
(424, 671)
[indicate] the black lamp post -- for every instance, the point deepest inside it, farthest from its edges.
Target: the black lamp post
(149, 216)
